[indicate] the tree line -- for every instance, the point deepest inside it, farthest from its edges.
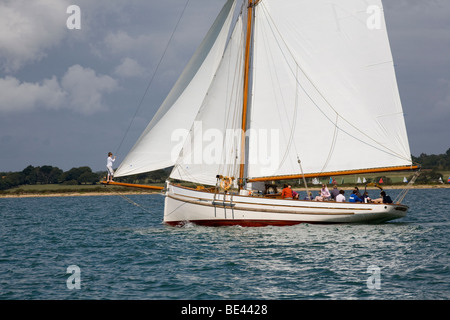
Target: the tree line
(76, 176)
(432, 168)
(437, 162)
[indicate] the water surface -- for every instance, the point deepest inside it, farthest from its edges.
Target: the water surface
(126, 252)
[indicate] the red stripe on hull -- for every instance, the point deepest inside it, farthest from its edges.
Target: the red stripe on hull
(242, 223)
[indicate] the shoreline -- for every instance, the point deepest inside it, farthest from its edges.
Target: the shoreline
(111, 193)
(71, 194)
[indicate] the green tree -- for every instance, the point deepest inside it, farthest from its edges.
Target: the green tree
(30, 175)
(44, 174)
(74, 174)
(439, 162)
(55, 175)
(12, 180)
(88, 177)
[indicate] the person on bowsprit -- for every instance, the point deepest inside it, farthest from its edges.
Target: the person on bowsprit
(109, 167)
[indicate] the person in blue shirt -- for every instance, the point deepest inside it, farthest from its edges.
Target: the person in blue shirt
(354, 197)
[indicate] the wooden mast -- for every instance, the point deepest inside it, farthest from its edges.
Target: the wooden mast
(246, 90)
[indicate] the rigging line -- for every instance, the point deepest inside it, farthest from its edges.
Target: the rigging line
(403, 193)
(230, 115)
(235, 121)
(288, 136)
(153, 76)
(229, 97)
(333, 145)
(234, 113)
(232, 91)
(132, 202)
(234, 117)
(385, 150)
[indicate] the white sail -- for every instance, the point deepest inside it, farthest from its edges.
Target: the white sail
(156, 146)
(323, 77)
(213, 144)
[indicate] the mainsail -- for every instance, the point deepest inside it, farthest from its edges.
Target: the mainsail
(322, 90)
(325, 80)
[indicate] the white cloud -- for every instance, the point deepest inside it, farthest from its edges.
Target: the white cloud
(80, 90)
(85, 89)
(17, 96)
(121, 42)
(28, 29)
(129, 68)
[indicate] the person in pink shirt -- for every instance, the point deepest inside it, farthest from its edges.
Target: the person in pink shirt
(325, 193)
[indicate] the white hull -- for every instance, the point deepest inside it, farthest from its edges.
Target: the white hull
(187, 205)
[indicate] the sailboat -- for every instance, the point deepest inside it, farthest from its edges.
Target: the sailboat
(278, 90)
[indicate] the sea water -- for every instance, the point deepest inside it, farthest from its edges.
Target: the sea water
(102, 247)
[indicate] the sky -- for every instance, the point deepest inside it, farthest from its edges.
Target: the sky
(69, 96)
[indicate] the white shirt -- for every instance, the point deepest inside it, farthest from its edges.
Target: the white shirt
(110, 161)
(340, 198)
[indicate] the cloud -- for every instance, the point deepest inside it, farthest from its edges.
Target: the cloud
(129, 68)
(28, 29)
(85, 89)
(17, 96)
(121, 43)
(80, 90)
